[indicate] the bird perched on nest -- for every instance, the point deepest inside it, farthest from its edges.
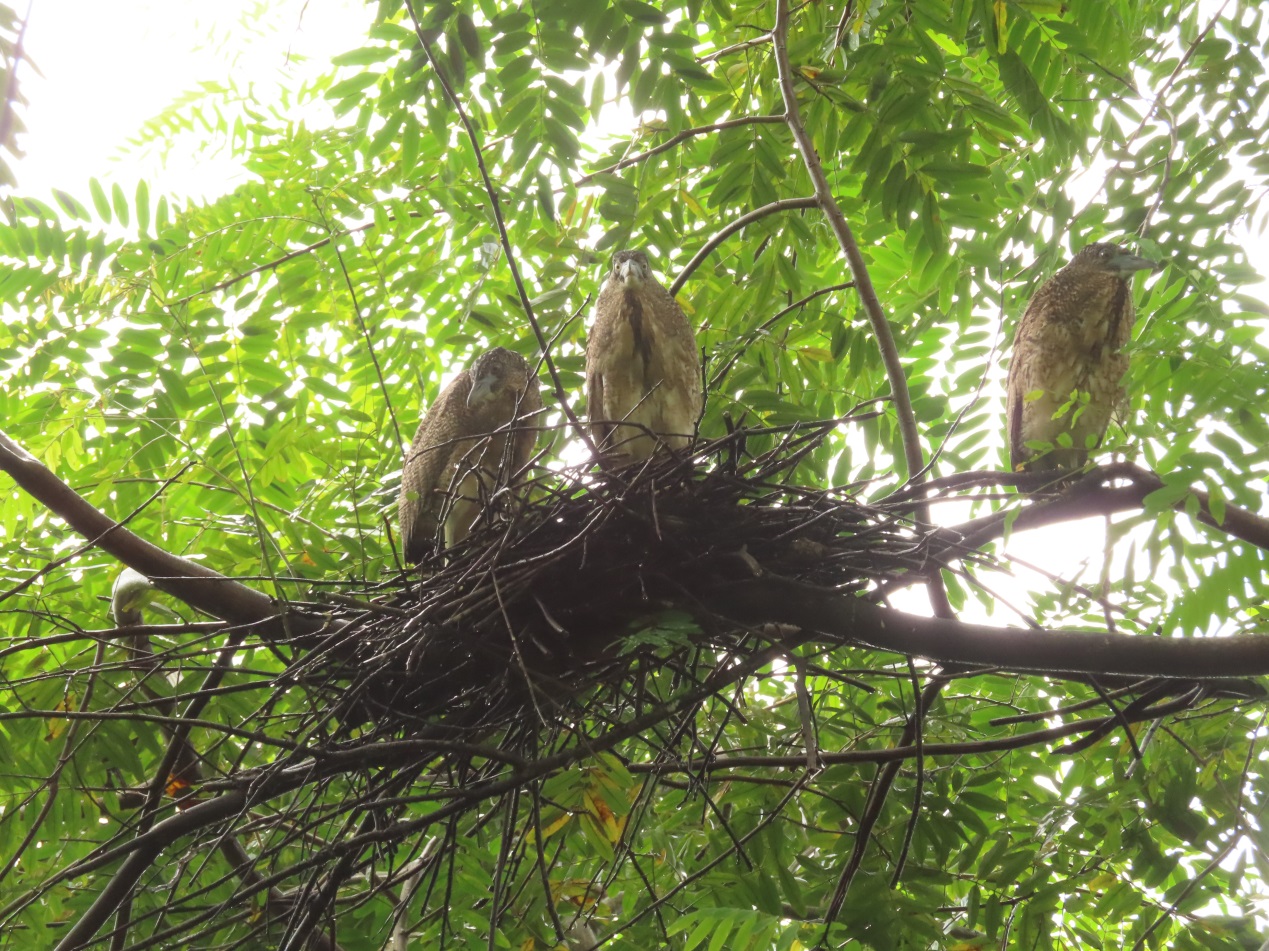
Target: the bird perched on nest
(460, 454)
(643, 384)
(1068, 360)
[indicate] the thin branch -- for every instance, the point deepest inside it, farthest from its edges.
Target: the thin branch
(783, 204)
(1195, 880)
(672, 142)
(11, 87)
(902, 399)
(496, 207)
(809, 740)
(858, 268)
(1154, 106)
(882, 783)
(269, 265)
(768, 324)
(918, 718)
(361, 325)
(736, 48)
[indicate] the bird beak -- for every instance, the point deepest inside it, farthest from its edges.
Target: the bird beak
(1127, 263)
(627, 272)
(481, 389)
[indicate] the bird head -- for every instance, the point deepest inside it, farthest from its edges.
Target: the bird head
(1105, 256)
(132, 592)
(630, 267)
(494, 372)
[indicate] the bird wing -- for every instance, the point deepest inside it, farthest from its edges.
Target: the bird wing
(526, 436)
(1025, 376)
(428, 468)
(1013, 413)
(600, 431)
(598, 359)
(682, 376)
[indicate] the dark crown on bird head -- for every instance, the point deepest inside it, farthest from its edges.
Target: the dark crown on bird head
(1107, 256)
(631, 265)
(495, 370)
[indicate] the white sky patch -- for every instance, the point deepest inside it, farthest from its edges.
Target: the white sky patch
(105, 69)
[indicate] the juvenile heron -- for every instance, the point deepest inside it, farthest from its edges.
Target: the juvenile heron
(643, 384)
(472, 440)
(1068, 359)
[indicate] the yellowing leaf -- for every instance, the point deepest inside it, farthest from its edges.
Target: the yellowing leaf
(1002, 26)
(57, 727)
(1099, 883)
(555, 825)
(691, 202)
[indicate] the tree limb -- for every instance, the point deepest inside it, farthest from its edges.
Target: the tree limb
(1094, 494)
(198, 586)
(852, 620)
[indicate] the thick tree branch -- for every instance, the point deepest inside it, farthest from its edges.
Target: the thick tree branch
(1095, 494)
(852, 620)
(198, 586)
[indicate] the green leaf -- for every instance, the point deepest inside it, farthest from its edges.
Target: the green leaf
(119, 203)
(143, 207)
(100, 202)
(643, 12)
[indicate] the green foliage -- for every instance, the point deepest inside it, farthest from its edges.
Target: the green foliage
(238, 379)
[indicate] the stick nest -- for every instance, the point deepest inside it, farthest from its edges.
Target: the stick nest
(596, 573)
